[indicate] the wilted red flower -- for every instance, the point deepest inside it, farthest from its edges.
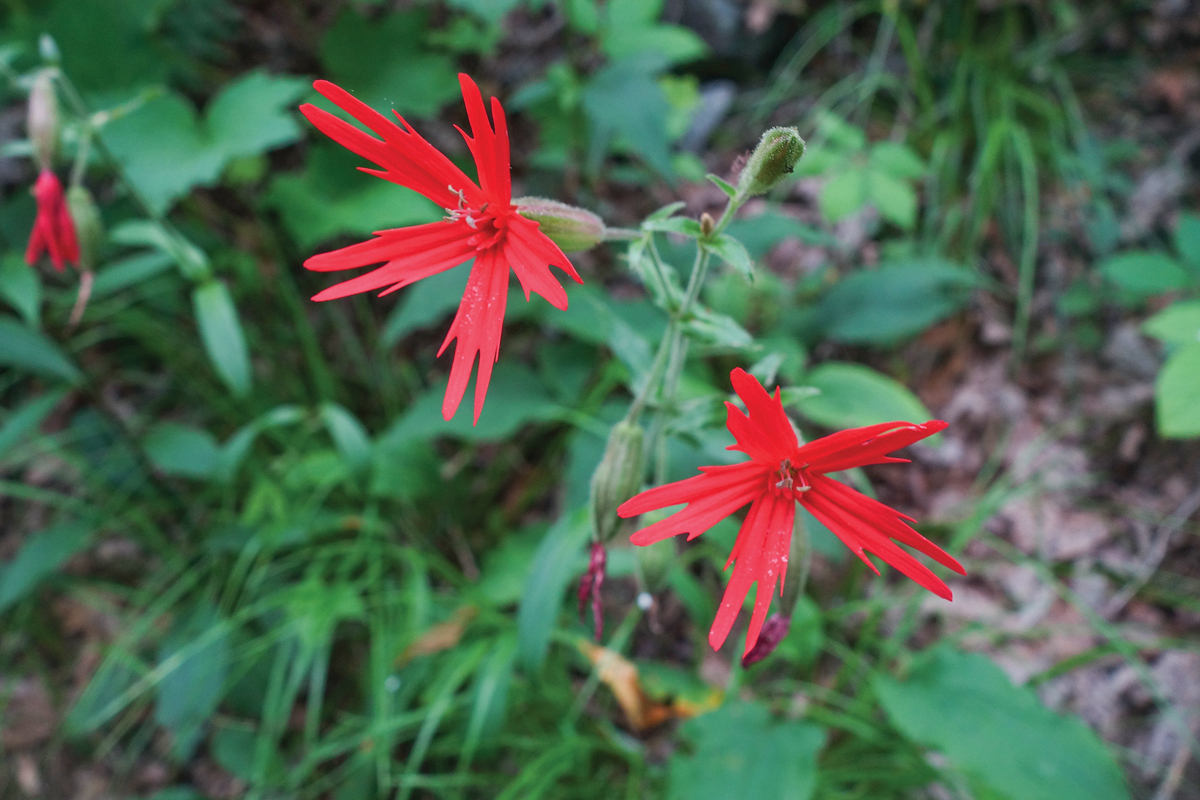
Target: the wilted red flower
(53, 231)
(481, 223)
(782, 471)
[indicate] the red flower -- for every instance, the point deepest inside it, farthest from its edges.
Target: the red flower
(481, 223)
(53, 230)
(782, 471)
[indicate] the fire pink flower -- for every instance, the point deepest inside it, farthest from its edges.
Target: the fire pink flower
(481, 223)
(53, 231)
(781, 473)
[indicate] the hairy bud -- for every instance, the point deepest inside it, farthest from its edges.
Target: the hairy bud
(572, 229)
(42, 119)
(773, 631)
(771, 162)
(88, 227)
(617, 479)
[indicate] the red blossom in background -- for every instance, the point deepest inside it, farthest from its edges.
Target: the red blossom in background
(781, 473)
(481, 223)
(53, 231)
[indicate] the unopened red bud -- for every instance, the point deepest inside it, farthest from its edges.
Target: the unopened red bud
(773, 630)
(590, 585)
(771, 162)
(42, 119)
(618, 477)
(88, 228)
(571, 228)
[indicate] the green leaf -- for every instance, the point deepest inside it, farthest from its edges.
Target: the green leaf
(631, 27)
(125, 56)
(386, 64)
(557, 561)
(348, 434)
(661, 279)
(27, 418)
(997, 734)
(221, 332)
(1144, 272)
(843, 194)
(190, 259)
(762, 232)
(895, 199)
(717, 330)
(684, 226)
(897, 159)
(722, 184)
(668, 210)
(624, 99)
(1177, 394)
(330, 197)
(130, 272)
(27, 349)
(427, 302)
(741, 753)
(733, 253)
(1187, 239)
(898, 300)
(21, 286)
(1177, 324)
(39, 556)
(853, 395)
(194, 659)
(182, 450)
(167, 149)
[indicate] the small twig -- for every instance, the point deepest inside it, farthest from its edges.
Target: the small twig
(1154, 555)
(1174, 776)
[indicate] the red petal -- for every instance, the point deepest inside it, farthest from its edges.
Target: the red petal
(488, 146)
(710, 498)
(765, 434)
(477, 327)
(389, 244)
(872, 449)
(403, 270)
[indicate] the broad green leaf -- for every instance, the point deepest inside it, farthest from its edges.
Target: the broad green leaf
(897, 159)
(593, 316)
(233, 747)
(221, 332)
(1177, 394)
(853, 395)
(27, 418)
(108, 65)
(25, 348)
(386, 64)
(895, 199)
(717, 330)
(182, 450)
(898, 300)
(348, 434)
(1144, 272)
(1187, 240)
(40, 555)
(999, 735)
(624, 99)
(315, 608)
(631, 27)
(733, 253)
(425, 303)
(491, 10)
(843, 194)
(515, 397)
(190, 259)
(21, 286)
(330, 197)
(166, 148)
(130, 272)
(557, 561)
(762, 232)
(194, 660)
(1177, 324)
(741, 753)
(238, 445)
(840, 134)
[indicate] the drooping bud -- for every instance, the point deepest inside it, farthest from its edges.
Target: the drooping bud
(571, 228)
(618, 477)
(53, 230)
(590, 585)
(773, 631)
(771, 162)
(42, 119)
(89, 229)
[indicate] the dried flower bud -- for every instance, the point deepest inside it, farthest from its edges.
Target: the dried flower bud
(771, 162)
(42, 121)
(572, 229)
(707, 223)
(88, 227)
(617, 479)
(773, 630)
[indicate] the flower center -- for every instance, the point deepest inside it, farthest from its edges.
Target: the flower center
(489, 222)
(788, 480)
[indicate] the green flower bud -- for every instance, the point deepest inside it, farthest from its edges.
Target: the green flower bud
(572, 229)
(42, 119)
(88, 227)
(771, 162)
(617, 479)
